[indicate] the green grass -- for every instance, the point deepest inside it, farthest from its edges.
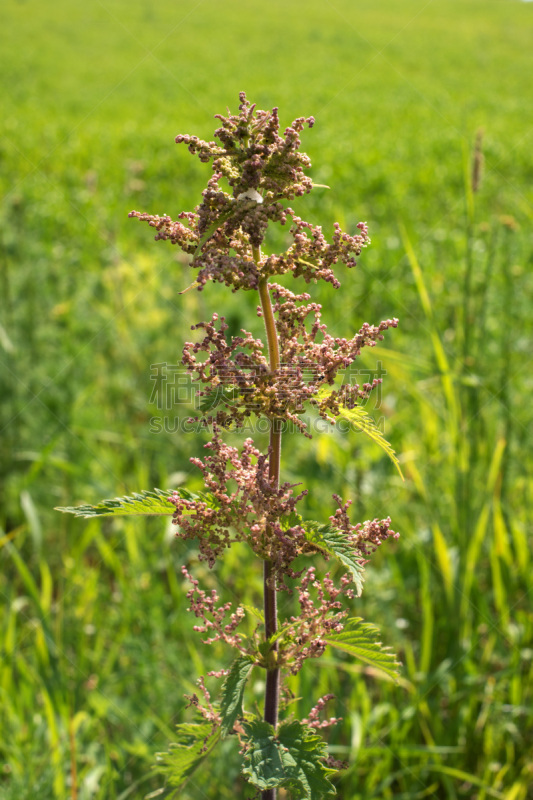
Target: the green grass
(96, 651)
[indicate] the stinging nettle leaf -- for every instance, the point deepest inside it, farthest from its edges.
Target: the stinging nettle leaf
(262, 761)
(364, 423)
(233, 693)
(146, 503)
(293, 757)
(211, 230)
(308, 775)
(255, 612)
(331, 542)
(193, 743)
(361, 639)
(215, 397)
(336, 544)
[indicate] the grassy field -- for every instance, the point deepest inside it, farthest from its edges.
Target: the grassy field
(95, 649)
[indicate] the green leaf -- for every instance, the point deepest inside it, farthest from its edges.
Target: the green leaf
(233, 692)
(292, 518)
(255, 612)
(211, 230)
(307, 263)
(144, 503)
(293, 757)
(325, 538)
(364, 422)
(361, 639)
(335, 543)
(308, 776)
(215, 397)
(193, 285)
(263, 764)
(193, 743)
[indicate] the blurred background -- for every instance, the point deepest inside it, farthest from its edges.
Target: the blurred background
(424, 128)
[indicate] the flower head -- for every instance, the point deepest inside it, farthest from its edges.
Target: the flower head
(261, 169)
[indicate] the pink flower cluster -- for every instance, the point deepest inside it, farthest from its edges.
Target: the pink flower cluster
(253, 155)
(206, 709)
(367, 536)
(236, 372)
(206, 607)
(243, 506)
(313, 719)
(311, 256)
(263, 168)
(250, 512)
(304, 635)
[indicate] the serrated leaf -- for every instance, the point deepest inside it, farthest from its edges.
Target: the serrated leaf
(289, 520)
(255, 612)
(328, 540)
(214, 398)
(364, 423)
(308, 776)
(361, 639)
(293, 757)
(146, 503)
(212, 229)
(262, 761)
(336, 544)
(193, 743)
(233, 692)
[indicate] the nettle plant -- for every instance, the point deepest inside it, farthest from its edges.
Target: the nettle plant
(241, 378)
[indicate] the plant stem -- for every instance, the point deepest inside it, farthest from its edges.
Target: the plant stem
(269, 581)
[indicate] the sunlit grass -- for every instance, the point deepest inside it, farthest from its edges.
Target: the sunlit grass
(96, 652)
